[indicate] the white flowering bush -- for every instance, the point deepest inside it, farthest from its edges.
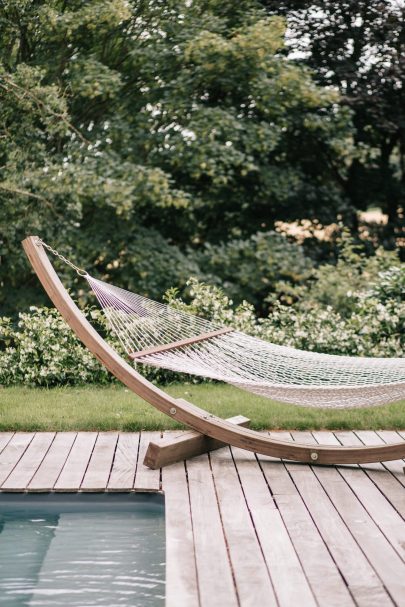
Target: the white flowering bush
(41, 350)
(374, 327)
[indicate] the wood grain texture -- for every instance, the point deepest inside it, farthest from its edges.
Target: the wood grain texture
(51, 466)
(382, 556)
(74, 469)
(5, 438)
(192, 416)
(147, 479)
(243, 531)
(251, 574)
(184, 445)
(181, 571)
(124, 466)
(12, 453)
(179, 344)
(215, 575)
(375, 503)
(325, 579)
(26, 467)
(98, 472)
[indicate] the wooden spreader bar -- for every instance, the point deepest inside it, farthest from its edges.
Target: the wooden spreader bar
(179, 344)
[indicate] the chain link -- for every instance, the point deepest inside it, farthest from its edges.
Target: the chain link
(78, 270)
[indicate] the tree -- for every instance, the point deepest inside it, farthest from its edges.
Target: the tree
(358, 46)
(133, 132)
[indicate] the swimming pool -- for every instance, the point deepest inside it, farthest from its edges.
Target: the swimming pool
(80, 550)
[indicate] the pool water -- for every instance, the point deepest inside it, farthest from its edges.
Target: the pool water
(80, 550)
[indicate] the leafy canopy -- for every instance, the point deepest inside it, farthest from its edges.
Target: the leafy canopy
(133, 133)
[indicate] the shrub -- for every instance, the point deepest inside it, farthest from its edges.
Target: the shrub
(367, 320)
(41, 350)
(252, 269)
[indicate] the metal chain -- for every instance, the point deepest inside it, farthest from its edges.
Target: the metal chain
(78, 270)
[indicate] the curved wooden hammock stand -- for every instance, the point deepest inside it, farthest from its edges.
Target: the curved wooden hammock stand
(211, 431)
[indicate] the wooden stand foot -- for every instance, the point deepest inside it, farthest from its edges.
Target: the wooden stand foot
(185, 445)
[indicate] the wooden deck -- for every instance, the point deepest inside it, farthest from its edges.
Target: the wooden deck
(240, 530)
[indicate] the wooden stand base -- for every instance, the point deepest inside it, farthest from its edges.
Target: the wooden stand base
(185, 445)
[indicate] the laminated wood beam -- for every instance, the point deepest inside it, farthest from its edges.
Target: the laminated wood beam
(185, 445)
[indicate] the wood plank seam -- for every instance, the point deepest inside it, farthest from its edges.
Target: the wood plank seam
(337, 468)
(252, 518)
(386, 442)
(360, 546)
(366, 472)
(365, 505)
(43, 457)
(137, 459)
(6, 443)
(193, 532)
(39, 464)
(223, 531)
(384, 469)
(341, 573)
(88, 461)
(274, 497)
(67, 457)
(143, 438)
(112, 460)
(19, 459)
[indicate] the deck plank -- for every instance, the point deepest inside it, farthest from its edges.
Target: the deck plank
(324, 578)
(388, 483)
(363, 582)
(373, 500)
(124, 465)
(98, 472)
(47, 473)
(71, 476)
(12, 453)
(215, 576)
(385, 561)
(252, 579)
(5, 438)
(181, 572)
(242, 530)
(25, 469)
(287, 574)
(145, 478)
(395, 467)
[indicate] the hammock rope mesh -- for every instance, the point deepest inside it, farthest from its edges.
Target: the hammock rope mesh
(278, 372)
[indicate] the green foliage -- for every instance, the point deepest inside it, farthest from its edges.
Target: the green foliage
(369, 321)
(43, 351)
(40, 349)
(256, 269)
(161, 124)
(338, 285)
(357, 46)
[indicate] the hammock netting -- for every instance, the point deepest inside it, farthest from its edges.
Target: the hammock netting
(277, 372)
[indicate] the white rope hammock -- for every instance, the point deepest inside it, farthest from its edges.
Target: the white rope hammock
(156, 334)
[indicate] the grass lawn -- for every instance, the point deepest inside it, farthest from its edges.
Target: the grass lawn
(116, 408)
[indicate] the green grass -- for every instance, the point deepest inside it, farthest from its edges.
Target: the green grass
(116, 408)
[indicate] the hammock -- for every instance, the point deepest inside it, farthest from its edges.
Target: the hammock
(275, 371)
(159, 335)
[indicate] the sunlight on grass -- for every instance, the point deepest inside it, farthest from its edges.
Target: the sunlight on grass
(116, 408)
